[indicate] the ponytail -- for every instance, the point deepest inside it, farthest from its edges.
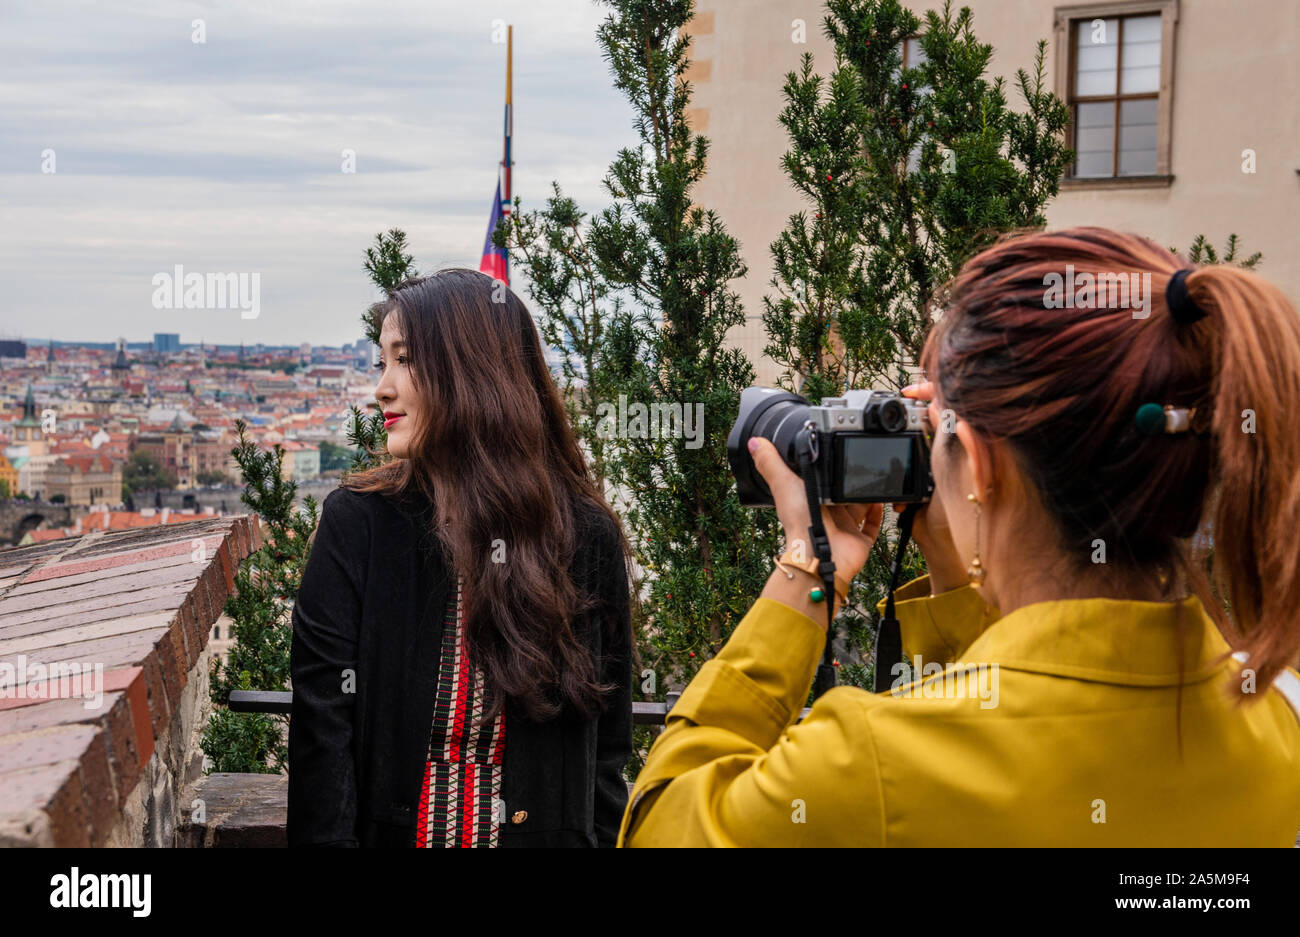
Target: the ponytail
(1221, 342)
(1253, 334)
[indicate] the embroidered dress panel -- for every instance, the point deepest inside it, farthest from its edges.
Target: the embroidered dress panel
(462, 771)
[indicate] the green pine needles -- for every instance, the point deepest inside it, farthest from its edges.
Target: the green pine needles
(266, 584)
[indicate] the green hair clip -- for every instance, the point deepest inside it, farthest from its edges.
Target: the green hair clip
(1153, 419)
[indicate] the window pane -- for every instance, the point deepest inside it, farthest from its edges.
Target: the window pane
(1141, 29)
(1141, 72)
(1096, 56)
(1094, 139)
(915, 54)
(1137, 137)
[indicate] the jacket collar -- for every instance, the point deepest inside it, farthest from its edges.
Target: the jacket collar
(1121, 641)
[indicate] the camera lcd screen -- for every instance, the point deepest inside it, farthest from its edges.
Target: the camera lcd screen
(877, 467)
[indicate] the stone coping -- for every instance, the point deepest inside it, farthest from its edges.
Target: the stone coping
(102, 638)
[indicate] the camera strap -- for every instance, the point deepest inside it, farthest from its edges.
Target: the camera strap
(807, 453)
(889, 637)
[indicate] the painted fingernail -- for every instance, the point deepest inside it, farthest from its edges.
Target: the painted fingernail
(753, 446)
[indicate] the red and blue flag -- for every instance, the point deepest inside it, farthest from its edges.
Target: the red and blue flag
(496, 260)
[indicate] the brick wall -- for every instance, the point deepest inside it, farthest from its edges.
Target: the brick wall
(136, 607)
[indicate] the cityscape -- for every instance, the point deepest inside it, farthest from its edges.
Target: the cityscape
(141, 434)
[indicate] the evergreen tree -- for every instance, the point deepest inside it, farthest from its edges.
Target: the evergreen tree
(1203, 252)
(368, 438)
(575, 305)
(949, 166)
(909, 172)
(388, 263)
(706, 555)
(261, 607)
(815, 262)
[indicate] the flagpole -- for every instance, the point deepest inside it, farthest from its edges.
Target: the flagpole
(496, 260)
(510, 121)
(510, 55)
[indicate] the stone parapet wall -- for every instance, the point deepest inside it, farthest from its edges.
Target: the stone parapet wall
(136, 609)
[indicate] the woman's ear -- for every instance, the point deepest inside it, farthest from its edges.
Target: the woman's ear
(980, 456)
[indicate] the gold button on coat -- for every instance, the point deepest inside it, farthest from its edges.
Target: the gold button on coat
(519, 816)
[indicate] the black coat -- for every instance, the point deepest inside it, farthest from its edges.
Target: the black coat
(373, 599)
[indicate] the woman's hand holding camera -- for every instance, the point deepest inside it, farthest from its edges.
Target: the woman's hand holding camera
(930, 525)
(851, 528)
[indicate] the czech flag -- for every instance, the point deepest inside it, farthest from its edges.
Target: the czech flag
(496, 261)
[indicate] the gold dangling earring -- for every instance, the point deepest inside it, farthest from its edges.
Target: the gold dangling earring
(975, 571)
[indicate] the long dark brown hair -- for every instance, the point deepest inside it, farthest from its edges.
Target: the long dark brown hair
(497, 459)
(1062, 385)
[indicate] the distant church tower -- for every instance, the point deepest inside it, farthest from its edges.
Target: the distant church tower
(49, 359)
(28, 431)
(120, 365)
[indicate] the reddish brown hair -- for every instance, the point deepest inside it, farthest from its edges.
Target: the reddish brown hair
(1062, 386)
(497, 459)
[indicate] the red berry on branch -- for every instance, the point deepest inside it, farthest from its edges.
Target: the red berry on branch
(904, 87)
(692, 653)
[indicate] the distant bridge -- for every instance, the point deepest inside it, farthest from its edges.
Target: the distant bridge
(18, 516)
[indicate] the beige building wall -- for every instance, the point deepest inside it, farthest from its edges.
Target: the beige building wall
(96, 486)
(1236, 65)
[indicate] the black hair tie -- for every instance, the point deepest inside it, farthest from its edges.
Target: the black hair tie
(1181, 306)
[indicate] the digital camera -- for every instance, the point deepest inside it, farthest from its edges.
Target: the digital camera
(868, 446)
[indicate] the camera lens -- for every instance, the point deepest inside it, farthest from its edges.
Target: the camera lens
(770, 414)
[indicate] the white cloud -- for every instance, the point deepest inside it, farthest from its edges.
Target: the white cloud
(226, 156)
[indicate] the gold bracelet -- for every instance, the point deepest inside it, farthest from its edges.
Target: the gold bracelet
(810, 566)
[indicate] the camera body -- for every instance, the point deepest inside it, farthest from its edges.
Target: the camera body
(869, 445)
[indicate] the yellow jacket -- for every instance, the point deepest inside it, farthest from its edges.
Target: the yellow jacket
(1070, 740)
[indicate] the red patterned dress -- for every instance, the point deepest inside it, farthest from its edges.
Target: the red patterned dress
(460, 799)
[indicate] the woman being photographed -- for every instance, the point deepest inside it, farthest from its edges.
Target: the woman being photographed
(1080, 449)
(461, 657)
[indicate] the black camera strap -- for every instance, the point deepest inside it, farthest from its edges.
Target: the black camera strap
(821, 543)
(889, 638)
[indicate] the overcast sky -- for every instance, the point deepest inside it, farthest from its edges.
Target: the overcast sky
(225, 156)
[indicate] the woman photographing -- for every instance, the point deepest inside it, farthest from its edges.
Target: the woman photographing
(1076, 453)
(461, 656)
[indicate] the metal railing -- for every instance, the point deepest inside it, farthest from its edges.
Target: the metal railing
(280, 702)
